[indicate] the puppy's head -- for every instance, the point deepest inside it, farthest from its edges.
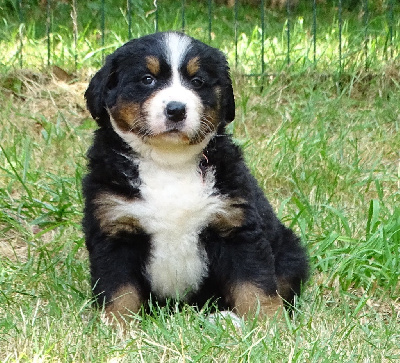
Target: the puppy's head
(165, 88)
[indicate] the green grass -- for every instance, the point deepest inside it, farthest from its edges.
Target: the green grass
(324, 148)
(34, 40)
(329, 165)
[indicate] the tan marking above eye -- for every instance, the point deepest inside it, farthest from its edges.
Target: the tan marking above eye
(193, 66)
(153, 65)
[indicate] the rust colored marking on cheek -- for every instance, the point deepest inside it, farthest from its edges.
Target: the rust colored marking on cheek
(193, 66)
(126, 115)
(153, 65)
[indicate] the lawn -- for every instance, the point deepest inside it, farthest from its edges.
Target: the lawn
(325, 148)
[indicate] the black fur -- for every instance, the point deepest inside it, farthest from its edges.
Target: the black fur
(261, 250)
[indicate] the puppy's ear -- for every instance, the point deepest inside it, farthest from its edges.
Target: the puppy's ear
(102, 82)
(228, 98)
(229, 102)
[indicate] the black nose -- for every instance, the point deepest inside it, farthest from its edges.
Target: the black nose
(175, 111)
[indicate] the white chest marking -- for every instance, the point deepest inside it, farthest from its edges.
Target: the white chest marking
(176, 204)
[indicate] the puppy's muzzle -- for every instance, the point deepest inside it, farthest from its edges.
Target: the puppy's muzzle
(175, 111)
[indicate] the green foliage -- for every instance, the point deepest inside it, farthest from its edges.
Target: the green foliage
(37, 35)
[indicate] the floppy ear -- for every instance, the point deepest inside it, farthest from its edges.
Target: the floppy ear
(228, 98)
(229, 102)
(104, 80)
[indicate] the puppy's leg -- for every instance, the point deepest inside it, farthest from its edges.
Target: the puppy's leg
(124, 301)
(117, 279)
(291, 266)
(248, 300)
(248, 274)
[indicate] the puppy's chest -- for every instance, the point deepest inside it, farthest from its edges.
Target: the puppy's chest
(176, 203)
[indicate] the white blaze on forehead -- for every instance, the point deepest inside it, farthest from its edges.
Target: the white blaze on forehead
(177, 47)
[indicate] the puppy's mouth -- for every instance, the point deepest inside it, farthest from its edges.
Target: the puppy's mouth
(175, 127)
(161, 128)
(173, 134)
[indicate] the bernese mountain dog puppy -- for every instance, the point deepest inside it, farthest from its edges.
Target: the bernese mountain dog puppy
(171, 210)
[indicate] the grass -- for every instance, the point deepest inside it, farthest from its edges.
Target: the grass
(36, 36)
(326, 151)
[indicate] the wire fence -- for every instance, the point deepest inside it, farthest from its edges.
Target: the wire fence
(256, 37)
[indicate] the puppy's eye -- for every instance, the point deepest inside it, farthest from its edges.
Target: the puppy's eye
(196, 82)
(148, 80)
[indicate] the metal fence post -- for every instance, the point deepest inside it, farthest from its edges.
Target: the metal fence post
(391, 22)
(156, 13)
(288, 31)
(74, 16)
(209, 20)
(314, 30)
(236, 32)
(129, 15)
(48, 30)
(340, 35)
(366, 37)
(20, 33)
(183, 16)
(262, 38)
(103, 26)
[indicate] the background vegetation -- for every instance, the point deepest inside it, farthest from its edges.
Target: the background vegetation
(322, 138)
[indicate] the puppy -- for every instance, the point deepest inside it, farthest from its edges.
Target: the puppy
(171, 210)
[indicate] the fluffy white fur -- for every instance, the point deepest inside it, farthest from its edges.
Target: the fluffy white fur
(177, 202)
(177, 46)
(176, 92)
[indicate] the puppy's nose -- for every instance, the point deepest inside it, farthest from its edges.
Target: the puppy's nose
(175, 111)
